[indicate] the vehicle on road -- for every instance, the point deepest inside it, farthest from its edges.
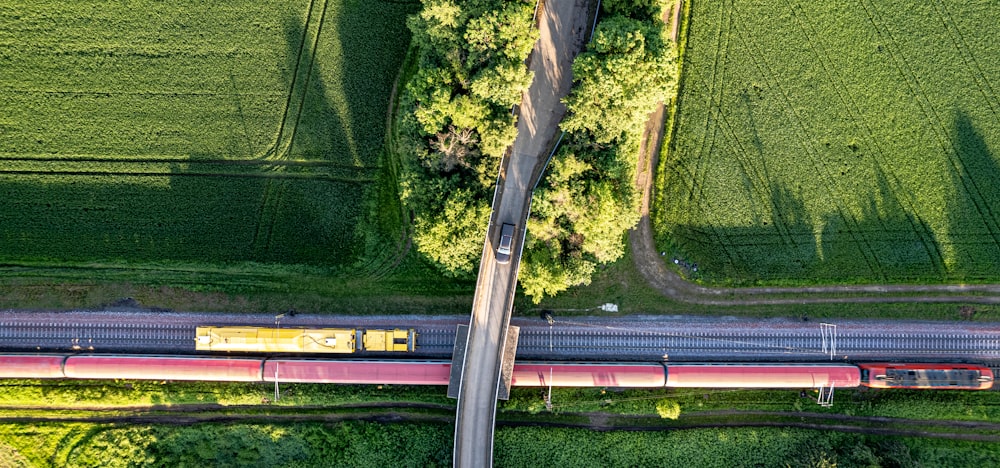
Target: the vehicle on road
(506, 240)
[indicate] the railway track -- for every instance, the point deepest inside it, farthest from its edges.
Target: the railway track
(673, 341)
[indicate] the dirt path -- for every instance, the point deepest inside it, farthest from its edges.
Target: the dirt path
(650, 263)
(597, 421)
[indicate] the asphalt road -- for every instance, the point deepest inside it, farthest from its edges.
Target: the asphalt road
(561, 28)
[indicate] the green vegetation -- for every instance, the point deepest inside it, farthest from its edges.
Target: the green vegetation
(724, 447)
(455, 120)
(905, 404)
(818, 143)
(351, 443)
(587, 199)
(68, 394)
(357, 443)
(153, 141)
(469, 74)
(620, 283)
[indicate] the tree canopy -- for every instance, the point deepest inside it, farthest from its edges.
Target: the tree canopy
(455, 120)
(588, 199)
(626, 70)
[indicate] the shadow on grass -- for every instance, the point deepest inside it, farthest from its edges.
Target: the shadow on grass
(884, 243)
(972, 244)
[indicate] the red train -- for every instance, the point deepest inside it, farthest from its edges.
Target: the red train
(536, 374)
(929, 376)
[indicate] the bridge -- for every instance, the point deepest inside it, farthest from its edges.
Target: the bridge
(476, 368)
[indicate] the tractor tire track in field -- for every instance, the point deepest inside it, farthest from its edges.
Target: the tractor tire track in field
(934, 121)
(651, 266)
(716, 93)
(757, 181)
(251, 175)
(276, 150)
(260, 244)
(701, 166)
(309, 73)
(854, 111)
(274, 191)
(958, 40)
(798, 123)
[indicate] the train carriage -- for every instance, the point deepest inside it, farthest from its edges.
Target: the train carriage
(31, 366)
(754, 375)
(164, 368)
(357, 372)
(563, 374)
(389, 340)
(276, 340)
(926, 376)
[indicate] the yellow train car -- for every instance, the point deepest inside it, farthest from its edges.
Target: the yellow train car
(276, 340)
(390, 340)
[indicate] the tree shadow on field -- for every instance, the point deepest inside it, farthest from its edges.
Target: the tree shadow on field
(335, 116)
(883, 243)
(343, 78)
(972, 244)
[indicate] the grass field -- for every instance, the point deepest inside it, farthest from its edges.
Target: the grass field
(846, 141)
(144, 132)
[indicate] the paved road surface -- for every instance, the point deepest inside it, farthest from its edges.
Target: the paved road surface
(561, 30)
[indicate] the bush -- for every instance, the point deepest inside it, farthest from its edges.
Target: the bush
(668, 409)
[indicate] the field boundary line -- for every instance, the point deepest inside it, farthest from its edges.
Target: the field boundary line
(167, 160)
(266, 175)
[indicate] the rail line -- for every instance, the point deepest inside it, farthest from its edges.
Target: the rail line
(569, 341)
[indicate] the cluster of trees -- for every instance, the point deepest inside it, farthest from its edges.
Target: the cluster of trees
(456, 123)
(588, 199)
(456, 120)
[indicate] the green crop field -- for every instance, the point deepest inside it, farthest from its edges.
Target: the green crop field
(843, 141)
(186, 131)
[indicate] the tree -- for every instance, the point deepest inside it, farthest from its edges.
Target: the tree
(617, 83)
(453, 237)
(546, 272)
(579, 216)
